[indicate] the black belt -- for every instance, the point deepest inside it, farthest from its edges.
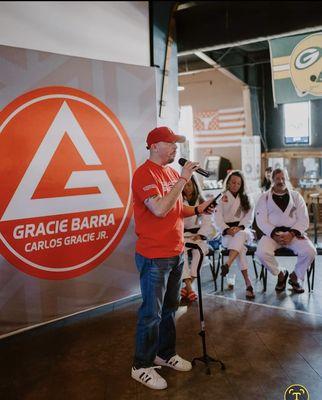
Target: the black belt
(192, 230)
(231, 224)
(282, 229)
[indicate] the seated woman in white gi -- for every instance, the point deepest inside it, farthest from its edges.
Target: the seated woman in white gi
(197, 229)
(233, 218)
(282, 216)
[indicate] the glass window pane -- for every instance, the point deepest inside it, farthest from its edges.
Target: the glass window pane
(297, 123)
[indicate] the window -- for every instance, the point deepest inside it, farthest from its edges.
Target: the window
(297, 123)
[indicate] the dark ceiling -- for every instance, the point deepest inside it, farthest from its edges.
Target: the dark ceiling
(235, 33)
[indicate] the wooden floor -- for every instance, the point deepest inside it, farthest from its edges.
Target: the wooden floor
(266, 344)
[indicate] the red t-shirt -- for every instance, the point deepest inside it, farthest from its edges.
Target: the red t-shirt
(157, 237)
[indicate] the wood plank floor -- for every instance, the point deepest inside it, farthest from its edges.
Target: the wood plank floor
(266, 344)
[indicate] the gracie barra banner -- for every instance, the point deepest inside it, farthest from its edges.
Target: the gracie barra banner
(296, 68)
(72, 131)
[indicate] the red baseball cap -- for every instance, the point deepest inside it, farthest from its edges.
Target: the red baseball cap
(163, 134)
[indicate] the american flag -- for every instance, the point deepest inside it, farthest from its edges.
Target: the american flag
(221, 128)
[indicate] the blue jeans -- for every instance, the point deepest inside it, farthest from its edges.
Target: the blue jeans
(160, 280)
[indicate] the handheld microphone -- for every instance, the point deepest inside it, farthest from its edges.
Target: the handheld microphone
(200, 171)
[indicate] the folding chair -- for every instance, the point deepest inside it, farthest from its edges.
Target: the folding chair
(285, 252)
(224, 252)
(213, 246)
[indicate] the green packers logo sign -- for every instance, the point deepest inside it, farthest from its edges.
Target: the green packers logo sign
(297, 68)
(306, 66)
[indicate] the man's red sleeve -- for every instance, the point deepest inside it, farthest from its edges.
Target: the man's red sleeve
(144, 186)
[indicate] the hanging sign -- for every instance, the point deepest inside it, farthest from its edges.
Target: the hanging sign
(296, 68)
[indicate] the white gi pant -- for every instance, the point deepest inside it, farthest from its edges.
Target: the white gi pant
(237, 242)
(191, 270)
(303, 248)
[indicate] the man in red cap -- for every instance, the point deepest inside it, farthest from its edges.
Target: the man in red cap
(158, 214)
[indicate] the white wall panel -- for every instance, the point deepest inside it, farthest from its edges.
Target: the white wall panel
(112, 31)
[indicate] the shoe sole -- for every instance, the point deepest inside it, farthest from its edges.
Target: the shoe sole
(172, 367)
(147, 384)
(295, 290)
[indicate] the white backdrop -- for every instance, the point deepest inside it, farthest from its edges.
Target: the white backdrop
(103, 30)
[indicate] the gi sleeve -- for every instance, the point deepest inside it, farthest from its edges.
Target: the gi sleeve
(302, 216)
(220, 224)
(261, 214)
(248, 218)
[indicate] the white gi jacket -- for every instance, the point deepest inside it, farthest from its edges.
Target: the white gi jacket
(229, 209)
(203, 222)
(269, 215)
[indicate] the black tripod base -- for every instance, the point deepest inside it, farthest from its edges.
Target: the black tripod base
(207, 360)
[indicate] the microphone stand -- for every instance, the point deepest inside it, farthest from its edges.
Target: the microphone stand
(205, 358)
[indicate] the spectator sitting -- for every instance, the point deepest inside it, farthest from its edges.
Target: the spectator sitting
(282, 216)
(197, 229)
(233, 219)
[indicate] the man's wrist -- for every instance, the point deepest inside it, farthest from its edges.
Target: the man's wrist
(184, 179)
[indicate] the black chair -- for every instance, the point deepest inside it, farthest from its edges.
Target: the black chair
(212, 263)
(224, 252)
(315, 208)
(285, 252)
(213, 246)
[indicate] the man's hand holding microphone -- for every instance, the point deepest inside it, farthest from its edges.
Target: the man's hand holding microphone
(188, 168)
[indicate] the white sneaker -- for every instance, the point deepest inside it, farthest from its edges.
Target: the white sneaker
(175, 362)
(149, 377)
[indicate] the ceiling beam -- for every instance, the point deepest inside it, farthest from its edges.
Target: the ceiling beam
(186, 5)
(205, 58)
(214, 65)
(248, 41)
